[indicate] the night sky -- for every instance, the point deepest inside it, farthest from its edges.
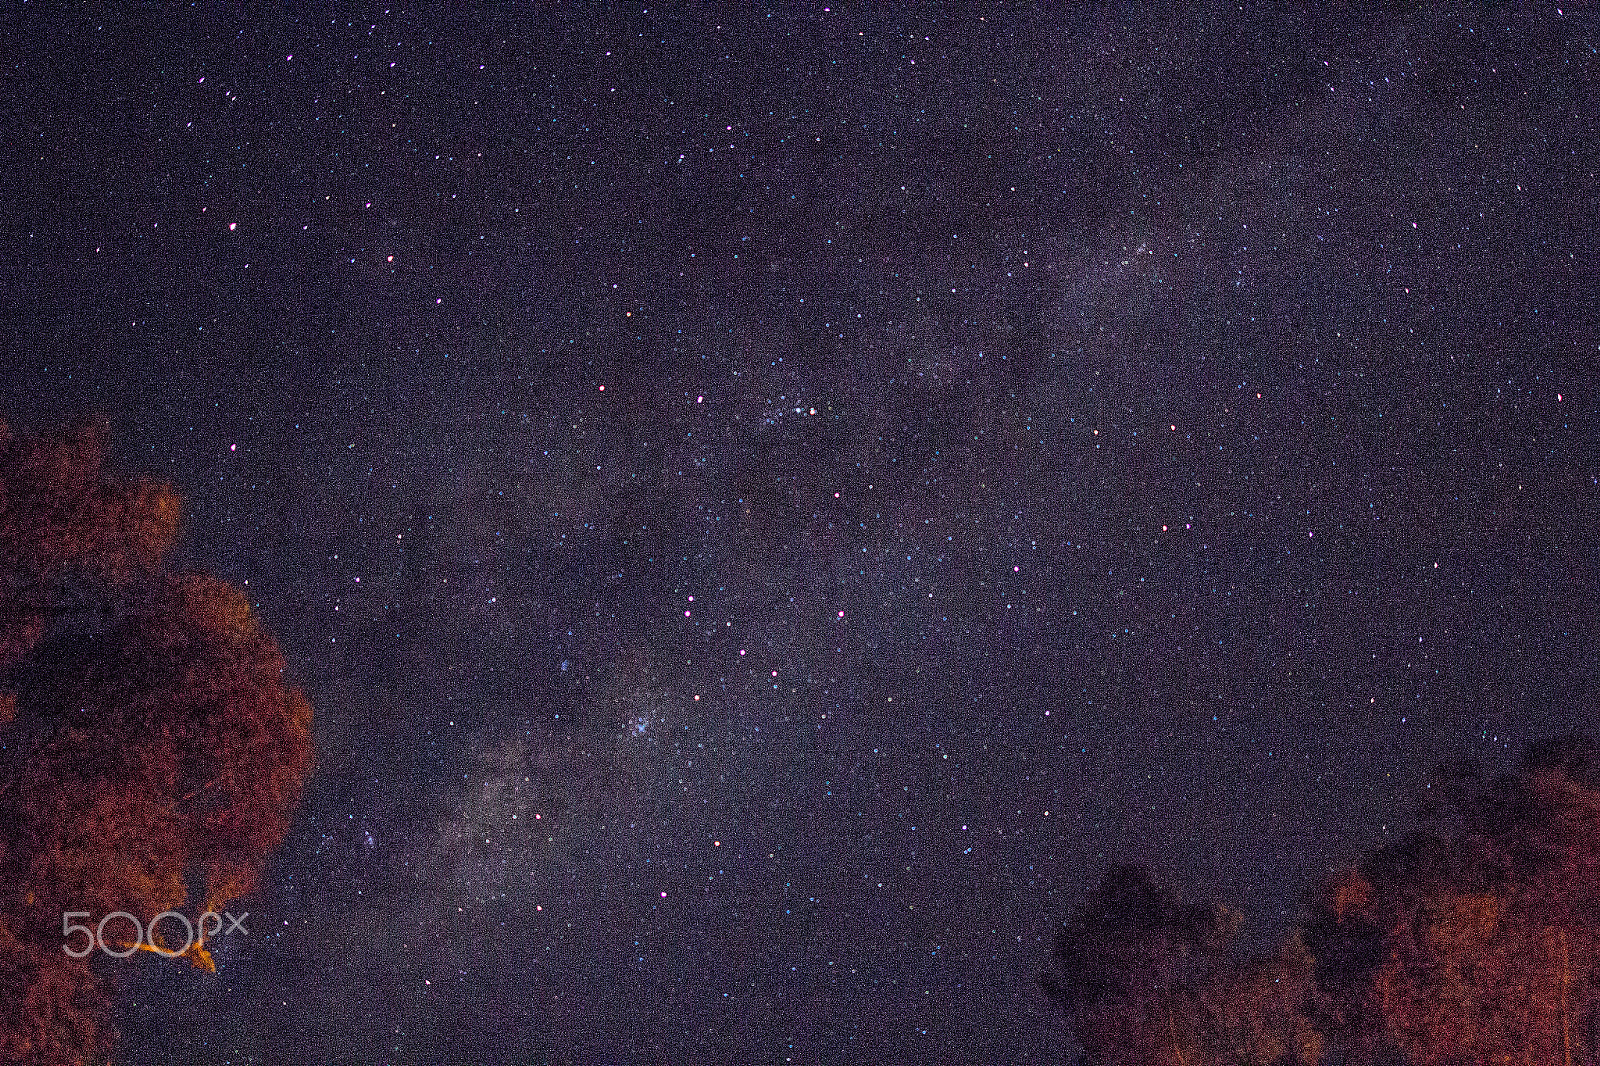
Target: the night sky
(766, 505)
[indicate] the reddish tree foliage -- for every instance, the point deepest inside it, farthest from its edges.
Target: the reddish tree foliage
(1480, 944)
(1475, 943)
(150, 749)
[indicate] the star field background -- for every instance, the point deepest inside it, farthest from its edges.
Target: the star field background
(767, 505)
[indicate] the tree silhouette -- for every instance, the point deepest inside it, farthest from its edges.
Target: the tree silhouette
(1146, 979)
(150, 748)
(1478, 944)
(1474, 942)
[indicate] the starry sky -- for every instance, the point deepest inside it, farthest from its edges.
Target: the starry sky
(768, 502)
